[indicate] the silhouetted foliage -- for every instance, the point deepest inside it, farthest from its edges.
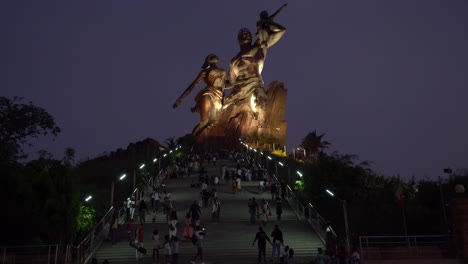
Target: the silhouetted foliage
(41, 199)
(377, 204)
(19, 123)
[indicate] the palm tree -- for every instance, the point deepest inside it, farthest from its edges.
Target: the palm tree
(171, 142)
(314, 144)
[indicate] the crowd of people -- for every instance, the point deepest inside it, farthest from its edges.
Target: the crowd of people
(160, 205)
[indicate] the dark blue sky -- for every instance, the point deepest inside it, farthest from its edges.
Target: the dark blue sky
(386, 80)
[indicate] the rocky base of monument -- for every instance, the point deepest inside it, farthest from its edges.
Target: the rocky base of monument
(237, 121)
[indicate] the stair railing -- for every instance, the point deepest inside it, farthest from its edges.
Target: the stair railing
(305, 213)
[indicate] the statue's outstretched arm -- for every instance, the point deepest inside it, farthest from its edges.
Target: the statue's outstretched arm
(278, 11)
(197, 80)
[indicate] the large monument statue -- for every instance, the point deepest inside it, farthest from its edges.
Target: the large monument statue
(209, 99)
(249, 110)
(246, 67)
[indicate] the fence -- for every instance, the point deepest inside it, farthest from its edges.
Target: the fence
(45, 254)
(404, 247)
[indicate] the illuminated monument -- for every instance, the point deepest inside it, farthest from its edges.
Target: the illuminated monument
(250, 111)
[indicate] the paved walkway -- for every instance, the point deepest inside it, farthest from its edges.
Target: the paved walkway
(229, 241)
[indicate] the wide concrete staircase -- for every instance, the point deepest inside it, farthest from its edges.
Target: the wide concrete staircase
(230, 240)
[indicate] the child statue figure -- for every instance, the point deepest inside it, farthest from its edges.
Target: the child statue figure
(266, 26)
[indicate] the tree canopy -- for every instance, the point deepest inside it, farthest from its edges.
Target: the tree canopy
(40, 196)
(19, 123)
(313, 144)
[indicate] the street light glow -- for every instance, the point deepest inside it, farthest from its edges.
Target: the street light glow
(88, 198)
(123, 177)
(155, 160)
(164, 155)
(269, 157)
(255, 150)
(329, 192)
(261, 152)
(170, 151)
(300, 174)
(142, 166)
(279, 162)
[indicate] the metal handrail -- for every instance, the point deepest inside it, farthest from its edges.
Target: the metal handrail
(88, 246)
(93, 240)
(317, 222)
(311, 215)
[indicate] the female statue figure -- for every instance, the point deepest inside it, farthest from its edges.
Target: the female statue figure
(210, 99)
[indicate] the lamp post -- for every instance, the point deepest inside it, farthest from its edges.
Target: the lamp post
(260, 158)
(280, 163)
(345, 214)
(112, 188)
(159, 164)
(448, 171)
(276, 170)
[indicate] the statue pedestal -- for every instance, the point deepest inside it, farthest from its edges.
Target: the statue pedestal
(237, 121)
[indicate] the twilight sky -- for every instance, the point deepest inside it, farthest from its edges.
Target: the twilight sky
(386, 80)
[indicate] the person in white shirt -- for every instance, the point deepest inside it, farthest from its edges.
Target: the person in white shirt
(248, 174)
(200, 236)
(156, 201)
(239, 186)
(204, 186)
(284, 254)
(355, 257)
(261, 184)
(132, 207)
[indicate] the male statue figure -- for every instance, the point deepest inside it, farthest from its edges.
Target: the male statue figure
(246, 68)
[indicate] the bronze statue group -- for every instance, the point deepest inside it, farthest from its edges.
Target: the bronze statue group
(245, 77)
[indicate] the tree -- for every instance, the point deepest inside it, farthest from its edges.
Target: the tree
(19, 123)
(85, 219)
(314, 144)
(186, 142)
(171, 142)
(55, 199)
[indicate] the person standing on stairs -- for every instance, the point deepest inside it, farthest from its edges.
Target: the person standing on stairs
(139, 241)
(262, 238)
(200, 236)
(216, 210)
(156, 245)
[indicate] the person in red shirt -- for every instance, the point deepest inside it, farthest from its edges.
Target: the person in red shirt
(139, 241)
(129, 229)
